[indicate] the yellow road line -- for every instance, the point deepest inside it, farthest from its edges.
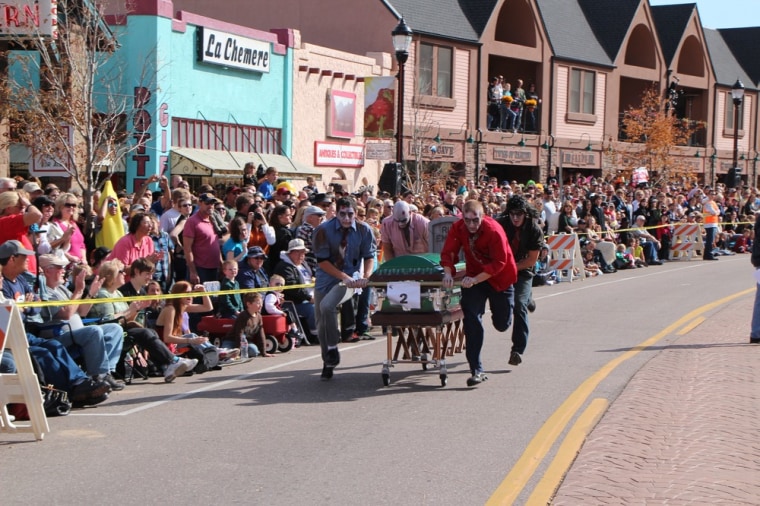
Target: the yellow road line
(688, 328)
(567, 452)
(546, 436)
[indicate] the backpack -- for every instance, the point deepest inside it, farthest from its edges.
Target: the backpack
(207, 356)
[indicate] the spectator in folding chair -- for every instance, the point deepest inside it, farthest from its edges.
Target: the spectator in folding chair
(101, 344)
(295, 271)
(112, 274)
(59, 368)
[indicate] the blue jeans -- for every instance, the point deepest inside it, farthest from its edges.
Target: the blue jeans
(754, 332)
(7, 364)
(305, 311)
(253, 350)
(522, 293)
(474, 306)
(362, 311)
(709, 240)
(100, 345)
(56, 364)
(326, 307)
(650, 251)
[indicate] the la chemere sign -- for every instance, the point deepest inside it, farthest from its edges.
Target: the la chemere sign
(233, 51)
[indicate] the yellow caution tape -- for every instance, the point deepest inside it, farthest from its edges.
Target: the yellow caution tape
(78, 302)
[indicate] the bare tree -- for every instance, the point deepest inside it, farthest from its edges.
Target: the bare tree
(78, 117)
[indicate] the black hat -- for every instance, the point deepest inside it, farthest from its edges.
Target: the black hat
(42, 200)
(321, 198)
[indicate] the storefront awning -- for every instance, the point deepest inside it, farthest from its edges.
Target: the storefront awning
(214, 163)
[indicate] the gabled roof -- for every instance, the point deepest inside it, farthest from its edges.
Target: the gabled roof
(610, 21)
(743, 44)
(569, 32)
(451, 19)
(727, 69)
(671, 22)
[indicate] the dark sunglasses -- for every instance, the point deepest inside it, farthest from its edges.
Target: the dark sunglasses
(70, 205)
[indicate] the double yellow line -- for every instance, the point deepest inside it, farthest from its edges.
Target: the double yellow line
(545, 438)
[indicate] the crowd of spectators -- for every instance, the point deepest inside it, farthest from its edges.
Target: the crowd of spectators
(259, 234)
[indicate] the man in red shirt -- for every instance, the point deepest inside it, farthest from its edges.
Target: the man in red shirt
(200, 243)
(489, 276)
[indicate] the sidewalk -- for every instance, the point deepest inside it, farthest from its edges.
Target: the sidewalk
(686, 429)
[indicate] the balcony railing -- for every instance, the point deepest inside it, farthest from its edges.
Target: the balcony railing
(696, 139)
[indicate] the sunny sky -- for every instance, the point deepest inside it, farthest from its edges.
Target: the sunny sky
(722, 13)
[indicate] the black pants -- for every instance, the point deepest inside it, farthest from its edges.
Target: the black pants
(148, 339)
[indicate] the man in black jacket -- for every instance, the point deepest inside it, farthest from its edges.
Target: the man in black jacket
(525, 239)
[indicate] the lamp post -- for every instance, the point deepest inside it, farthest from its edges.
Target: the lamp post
(549, 145)
(737, 93)
(402, 40)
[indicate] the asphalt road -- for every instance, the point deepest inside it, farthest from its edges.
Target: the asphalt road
(270, 432)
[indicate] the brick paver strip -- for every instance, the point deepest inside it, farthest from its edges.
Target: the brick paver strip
(686, 429)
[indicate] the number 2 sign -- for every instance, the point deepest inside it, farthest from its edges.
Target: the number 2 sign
(405, 294)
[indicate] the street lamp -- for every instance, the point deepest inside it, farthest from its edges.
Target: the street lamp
(737, 93)
(402, 40)
(549, 145)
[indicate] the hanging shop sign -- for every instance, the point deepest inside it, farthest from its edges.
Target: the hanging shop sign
(512, 156)
(229, 50)
(338, 155)
(580, 159)
(28, 19)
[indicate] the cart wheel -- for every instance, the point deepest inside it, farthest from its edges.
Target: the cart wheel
(386, 379)
(444, 380)
(271, 344)
(286, 345)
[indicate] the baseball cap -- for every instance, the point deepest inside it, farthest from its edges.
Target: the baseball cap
(13, 247)
(296, 244)
(256, 252)
(208, 198)
(233, 188)
(311, 210)
(50, 259)
(32, 187)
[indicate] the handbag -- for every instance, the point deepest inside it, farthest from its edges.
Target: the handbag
(55, 402)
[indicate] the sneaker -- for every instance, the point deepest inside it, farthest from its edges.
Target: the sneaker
(175, 369)
(531, 305)
(353, 338)
(327, 373)
(115, 385)
(333, 358)
(366, 336)
(228, 354)
(515, 358)
(476, 379)
(754, 340)
(89, 389)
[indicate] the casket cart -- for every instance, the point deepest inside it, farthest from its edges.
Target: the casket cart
(427, 317)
